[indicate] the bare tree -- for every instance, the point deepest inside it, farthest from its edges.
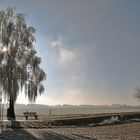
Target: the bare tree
(137, 95)
(19, 63)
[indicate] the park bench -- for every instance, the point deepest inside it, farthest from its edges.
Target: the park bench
(30, 114)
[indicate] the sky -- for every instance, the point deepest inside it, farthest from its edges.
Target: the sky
(90, 49)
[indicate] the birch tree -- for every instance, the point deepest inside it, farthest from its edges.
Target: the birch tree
(19, 64)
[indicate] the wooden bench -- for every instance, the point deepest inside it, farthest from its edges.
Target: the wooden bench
(30, 114)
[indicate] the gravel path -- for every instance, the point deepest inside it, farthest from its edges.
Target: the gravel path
(130, 131)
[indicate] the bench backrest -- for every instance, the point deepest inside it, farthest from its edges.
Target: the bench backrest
(29, 113)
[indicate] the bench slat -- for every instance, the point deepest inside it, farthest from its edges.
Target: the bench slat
(30, 114)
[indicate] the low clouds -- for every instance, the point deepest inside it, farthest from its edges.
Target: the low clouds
(68, 96)
(77, 74)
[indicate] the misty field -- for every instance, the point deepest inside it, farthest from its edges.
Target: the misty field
(44, 110)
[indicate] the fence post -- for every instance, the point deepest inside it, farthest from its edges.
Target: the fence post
(50, 112)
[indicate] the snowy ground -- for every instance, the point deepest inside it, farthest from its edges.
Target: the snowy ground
(129, 131)
(82, 127)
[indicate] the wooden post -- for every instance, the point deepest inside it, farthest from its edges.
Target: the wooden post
(50, 112)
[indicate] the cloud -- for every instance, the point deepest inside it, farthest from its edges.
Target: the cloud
(72, 62)
(59, 42)
(69, 67)
(64, 55)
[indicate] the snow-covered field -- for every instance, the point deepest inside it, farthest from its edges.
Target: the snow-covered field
(129, 131)
(116, 126)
